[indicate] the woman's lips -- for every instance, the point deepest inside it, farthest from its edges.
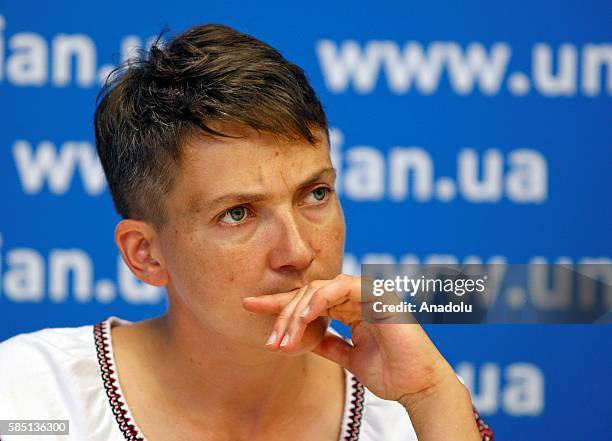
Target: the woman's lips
(279, 290)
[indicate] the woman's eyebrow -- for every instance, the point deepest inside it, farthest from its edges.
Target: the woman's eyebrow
(196, 204)
(317, 176)
(236, 198)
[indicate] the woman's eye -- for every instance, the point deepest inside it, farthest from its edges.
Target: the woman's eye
(234, 215)
(319, 194)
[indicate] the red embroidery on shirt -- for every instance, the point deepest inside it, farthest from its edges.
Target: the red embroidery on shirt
(356, 413)
(115, 399)
(118, 406)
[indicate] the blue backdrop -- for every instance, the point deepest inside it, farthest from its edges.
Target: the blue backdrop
(461, 130)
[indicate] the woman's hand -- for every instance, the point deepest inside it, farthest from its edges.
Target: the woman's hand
(395, 361)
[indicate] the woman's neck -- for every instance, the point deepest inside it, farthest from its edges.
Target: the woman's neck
(204, 373)
(240, 381)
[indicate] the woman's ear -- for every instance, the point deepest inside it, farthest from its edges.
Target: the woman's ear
(138, 244)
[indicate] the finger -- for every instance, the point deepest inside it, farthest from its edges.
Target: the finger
(335, 349)
(298, 323)
(335, 293)
(269, 303)
(347, 312)
(279, 338)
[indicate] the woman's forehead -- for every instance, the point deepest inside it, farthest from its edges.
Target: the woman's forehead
(248, 168)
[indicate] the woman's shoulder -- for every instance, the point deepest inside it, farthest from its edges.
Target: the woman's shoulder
(49, 346)
(65, 356)
(34, 351)
(54, 374)
(32, 362)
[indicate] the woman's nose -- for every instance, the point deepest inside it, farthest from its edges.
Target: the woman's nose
(291, 245)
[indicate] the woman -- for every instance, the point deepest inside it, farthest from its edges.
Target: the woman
(216, 153)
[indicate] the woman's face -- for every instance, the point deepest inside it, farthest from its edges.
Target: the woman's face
(250, 216)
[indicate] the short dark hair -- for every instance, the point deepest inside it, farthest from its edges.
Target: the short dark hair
(208, 74)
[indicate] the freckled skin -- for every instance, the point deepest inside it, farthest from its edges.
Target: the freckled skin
(284, 244)
(209, 264)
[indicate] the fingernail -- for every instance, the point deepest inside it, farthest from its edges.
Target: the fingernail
(285, 340)
(305, 311)
(272, 338)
